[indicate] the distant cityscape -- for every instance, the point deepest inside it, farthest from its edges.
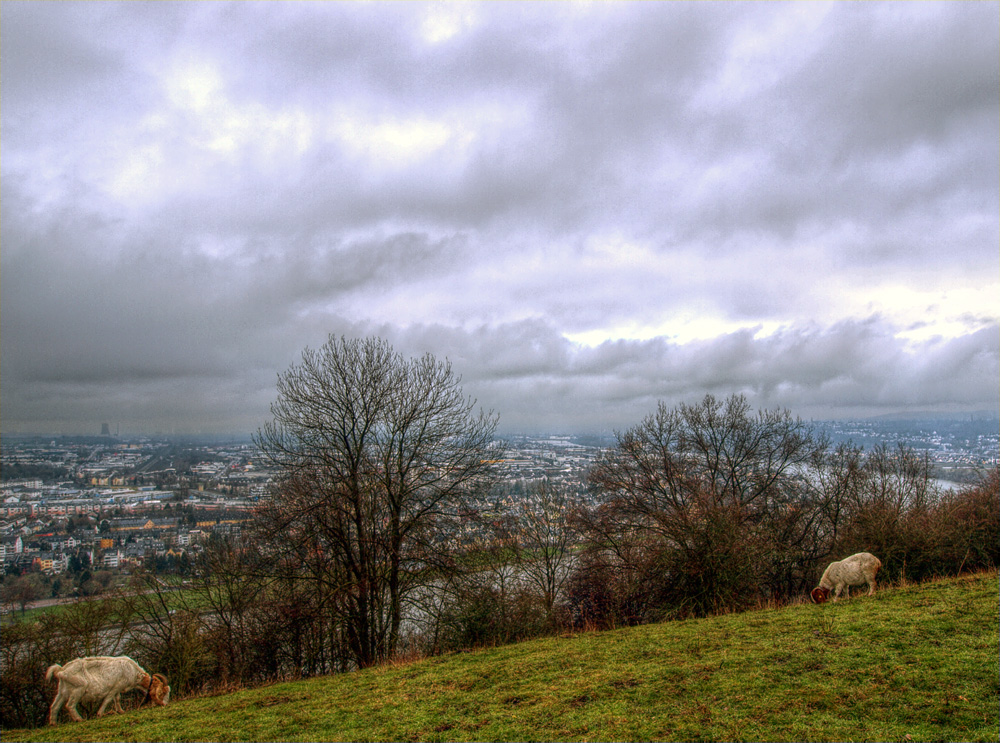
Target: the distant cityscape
(115, 503)
(958, 447)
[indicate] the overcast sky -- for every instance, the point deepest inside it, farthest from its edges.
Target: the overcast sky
(585, 207)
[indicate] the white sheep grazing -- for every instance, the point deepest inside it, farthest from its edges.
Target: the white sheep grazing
(856, 570)
(102, 678)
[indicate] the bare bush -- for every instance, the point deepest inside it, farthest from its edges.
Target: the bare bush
(713, 495)
(167, 630)
(885, 499)
(965, 526)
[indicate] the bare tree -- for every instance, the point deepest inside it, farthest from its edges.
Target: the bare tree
(707, 491)
(377, 453)
(21, 591)
(891, 493)
(716, 452)
(838, 483)
(545, 537)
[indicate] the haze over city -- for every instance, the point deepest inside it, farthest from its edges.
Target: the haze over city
(584, 207)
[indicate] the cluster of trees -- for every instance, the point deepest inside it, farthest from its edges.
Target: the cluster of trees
(713, 507)
(39, 471)
(18, 592)
(697, 509)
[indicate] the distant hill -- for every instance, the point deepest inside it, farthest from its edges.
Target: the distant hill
(913, 663)
(977, 416)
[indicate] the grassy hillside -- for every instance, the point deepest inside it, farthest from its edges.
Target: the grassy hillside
(913, 663)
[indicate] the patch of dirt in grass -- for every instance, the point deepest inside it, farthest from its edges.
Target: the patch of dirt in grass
(272, 701)
(627, 683)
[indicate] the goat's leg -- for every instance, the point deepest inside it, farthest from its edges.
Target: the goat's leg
(871, 588)
(118, 704)
(57, 704)
(104, 705)
(74, 697)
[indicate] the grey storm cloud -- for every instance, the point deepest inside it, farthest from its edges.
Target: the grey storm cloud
(585, 207)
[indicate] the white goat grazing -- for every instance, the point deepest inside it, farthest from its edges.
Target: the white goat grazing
(102, 678)
(856, 570)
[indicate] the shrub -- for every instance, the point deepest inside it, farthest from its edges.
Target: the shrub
(483, 613)
(30, 647)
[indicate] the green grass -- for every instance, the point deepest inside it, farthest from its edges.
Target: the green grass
(913, 663)
(185, 598)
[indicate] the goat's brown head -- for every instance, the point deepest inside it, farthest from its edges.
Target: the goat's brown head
(819, 595)
(157, 690)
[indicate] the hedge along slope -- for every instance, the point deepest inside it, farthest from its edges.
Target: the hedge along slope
(918, 662)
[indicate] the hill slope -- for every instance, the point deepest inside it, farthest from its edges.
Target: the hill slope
(914, 663)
